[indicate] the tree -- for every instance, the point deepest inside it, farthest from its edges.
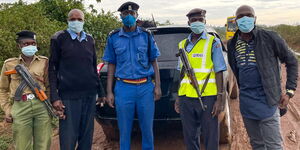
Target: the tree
(45, 18)
(59, 9)
(18, 17)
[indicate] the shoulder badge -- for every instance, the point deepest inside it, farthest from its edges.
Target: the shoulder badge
(146, 30)
(113, 32)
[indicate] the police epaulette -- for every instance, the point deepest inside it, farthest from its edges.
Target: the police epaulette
(146, 30)
(10, 59)
(113, 32)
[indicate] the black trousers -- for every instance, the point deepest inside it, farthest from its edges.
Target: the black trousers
(196, 122)
(78, 127)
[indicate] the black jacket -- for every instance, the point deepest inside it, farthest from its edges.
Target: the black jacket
(270, 48)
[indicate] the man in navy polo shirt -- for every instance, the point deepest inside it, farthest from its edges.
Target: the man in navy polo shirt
(131, 55)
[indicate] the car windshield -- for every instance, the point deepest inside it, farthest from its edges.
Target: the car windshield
(168, 45)
(231, 27)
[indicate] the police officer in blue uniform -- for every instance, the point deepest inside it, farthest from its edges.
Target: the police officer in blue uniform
(132, 54)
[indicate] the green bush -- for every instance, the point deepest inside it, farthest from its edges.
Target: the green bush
(291, 34)
(45, 18)
(25, 17)
(5, 141)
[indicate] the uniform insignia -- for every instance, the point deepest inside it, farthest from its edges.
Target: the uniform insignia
(197, 55)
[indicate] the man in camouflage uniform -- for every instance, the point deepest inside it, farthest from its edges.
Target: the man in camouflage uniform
(31, 123)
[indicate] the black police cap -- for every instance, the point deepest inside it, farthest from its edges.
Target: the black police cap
(197, 11)
(129, 6)
(26, 34)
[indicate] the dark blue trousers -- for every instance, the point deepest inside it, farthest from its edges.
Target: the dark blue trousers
(78, 127)
(196, 122)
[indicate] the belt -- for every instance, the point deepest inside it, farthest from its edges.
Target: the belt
(27, 97)
(134, 81)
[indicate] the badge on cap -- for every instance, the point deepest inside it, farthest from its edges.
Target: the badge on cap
(129, 7)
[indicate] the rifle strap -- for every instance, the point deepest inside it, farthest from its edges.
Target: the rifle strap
(19, 91)
(182, 71)
(205, 82)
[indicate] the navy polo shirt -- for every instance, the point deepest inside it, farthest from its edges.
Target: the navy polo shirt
(129, 52)
(253, 102)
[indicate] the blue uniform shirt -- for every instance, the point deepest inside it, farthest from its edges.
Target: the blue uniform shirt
(75, 36)
(129, 52)
(253, 103)
(217, 55)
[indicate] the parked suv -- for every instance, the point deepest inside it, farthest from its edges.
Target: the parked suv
(167, 39)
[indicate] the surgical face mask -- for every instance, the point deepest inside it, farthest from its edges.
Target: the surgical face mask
(246, 24)
(29, 50)
(197, 27)
(129, 20)
(75, 26)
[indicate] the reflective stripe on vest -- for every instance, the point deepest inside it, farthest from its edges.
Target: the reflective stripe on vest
(200, 59)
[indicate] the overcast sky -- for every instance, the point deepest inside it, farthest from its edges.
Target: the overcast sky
(268, 12)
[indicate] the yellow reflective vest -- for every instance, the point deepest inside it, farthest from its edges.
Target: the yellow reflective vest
(200, 58)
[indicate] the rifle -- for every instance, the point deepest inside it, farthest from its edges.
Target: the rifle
(191, 75)
(33, 85)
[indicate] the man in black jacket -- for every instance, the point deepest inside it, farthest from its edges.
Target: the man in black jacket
(74, 83)
(254, 56)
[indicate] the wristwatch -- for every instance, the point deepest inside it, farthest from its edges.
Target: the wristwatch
(290, 93)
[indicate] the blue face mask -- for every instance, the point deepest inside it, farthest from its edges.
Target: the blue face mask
(129, 20)
(197, 27)
(246, 24)
(29, 50)
(75, 26)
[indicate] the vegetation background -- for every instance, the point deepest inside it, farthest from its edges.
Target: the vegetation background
(46, 17)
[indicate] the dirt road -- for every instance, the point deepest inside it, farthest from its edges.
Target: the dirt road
(173, 140)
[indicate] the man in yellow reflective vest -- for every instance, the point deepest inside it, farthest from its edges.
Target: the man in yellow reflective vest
(204, 53)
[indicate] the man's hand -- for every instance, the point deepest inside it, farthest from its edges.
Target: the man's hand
(284, 101)
(110, 99)
(218, 106)
(176, 105)
(101, 101)
(60, 115)
(58, 105)
(157, 93)
(8, 118)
